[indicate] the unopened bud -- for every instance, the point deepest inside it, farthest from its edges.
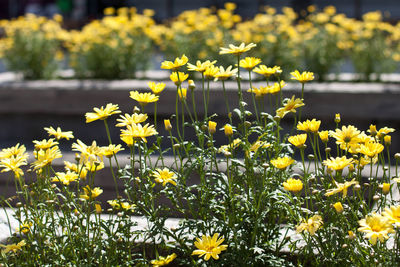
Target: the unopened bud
(247, 124)
(136, 109)
(177, 146)
(397, 156)
(385, 188)
(228, 130)
(328, 150)
(191, 84)
(311, 156)
(357, 187)
(337, 117)
(388, 140)
(376, 197)
(338, 207)
(167, 125)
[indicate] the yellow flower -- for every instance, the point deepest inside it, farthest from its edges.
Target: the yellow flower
(164, 176)
(385, 188)
(109, 11)
(311, 225)
(13, 247)
(13, 164)
(384, 131)
(209, 246)
(348, 136)
(174, 66)
(267, 72)
(371, 149)
(338, 207)
(201, 66)
(167, 125)
(111, 150)
(293, 185)
(156, 88)
(236, 50)
(128, 140)
(14, 151)
(341, 187)
(58, 134)
(65, 177)
(191, 84)
(298, 140)
(161, 261)
(257, 144)
(372, 130)
(324, 135)
(303, 77)
(228, 130)
(178, 77)
(127, 119)
(282, 163)
(137, 131)
(338, 163)
(143, 98)
(289, 106)
(210, 72)
(91, 193)
(117, 204)
(82, 172)
(393, 215)
(45, 144)
(102, 113)
(227, 148)
(337, 117)
(182, 92)
(212, 127)
(249, 63)
(45, 157)
(309, 126)
(224, 74)
(375, 226)
(25, 227)
(387, 140)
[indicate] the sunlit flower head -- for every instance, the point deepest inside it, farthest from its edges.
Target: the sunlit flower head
(303, 77)
(143, 98)
(341, 187)
(161, 261)
(164, 176)
(393, 215)
(102, 113)
(182, 92)
(65, 177)
(156, 88)
(89, 193)
(289, 106)
(309, 126)
(174, 66)
(13, 247)
(178, 77)
(249, 63)
(293, 185)
(338, 207)
(338, 163)
(371, 149)
(347, 136)
(201, 66)
(137, 131)
(282, 163)
(45, 157)
(167, 125)
(324, 136)
(14, 164)
(72, 167)
(209, 246)
(266, 71)
(224, 74)
(135, 118)
(45, 144)
(111, 150)
(298, 140)
(228, 130)
(376, 226)
(25, 227)
(384, 131)
(58, 134)
(210, 72)
(14, 151)
(118, 205)
(236, 50)
(311, 225)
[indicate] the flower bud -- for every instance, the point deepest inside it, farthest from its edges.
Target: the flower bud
(388, 140)
(351, 235)
(98, 208)
(168, 126)
(191, 84)
(344, 246)
(376, 197)
(311, 156)
(177, 146)
(372, 130)
(337, 117)
(357, 187)
(351, 168)
(338, 207)
(247, 124)
(228, 130)
(211, 127)
(328, 150)
(136, 109)
(385, 188)
(397, 156)
(182, 92)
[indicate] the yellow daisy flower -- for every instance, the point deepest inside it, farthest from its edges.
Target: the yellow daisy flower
(249, 63)
(102, 113)
(137, 131)
(161, 261)
(298, 140)
(376, 226)
(282, 163)
(89, 193)
(65, 177)
(309, 126)
(293, 185)
(178, 77)
(289, 106)
(111, 150)
(156, 88)
(174, 66)
(13, 247)
(224, 74)
(311, 225)
(393, 215)
(58, 134)
(127, 119)
(341, 187)
(236, 50)
(164, 176)
(200, 66)
(143, 98)
(209, 246)
(303, 77)
(266, 71)
(338, 163)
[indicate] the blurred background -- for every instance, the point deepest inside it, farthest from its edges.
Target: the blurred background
(78, 12)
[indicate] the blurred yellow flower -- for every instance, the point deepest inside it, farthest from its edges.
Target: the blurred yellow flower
(340, 187)
(228, 130)
(174, 66)
(164, 176)
(249, 63)
(324, 135)
(45, 157)
(178, 77)
(309, 126)
(182, 92)
(45, 144)
(200, 66)
(143, 98)
(127, 119)
(65, 177)
(304, 77)
(311, 225)
(338, 207)
(266, 71)
(161, 261)
(209, 246)
(282, 163)
(289, 106)
(102, 113)
(371, 149)
(210, 72)
(237, 50)
(167, 125)
(13, 247)
(338, 163)
(375, 226)
(224, 74)
(298, 140)
(58, 134)
(137, 131)
(111, 150)
(293, 185)
(212, 127)
(393, 215)
(156, 88)
(91, 194)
